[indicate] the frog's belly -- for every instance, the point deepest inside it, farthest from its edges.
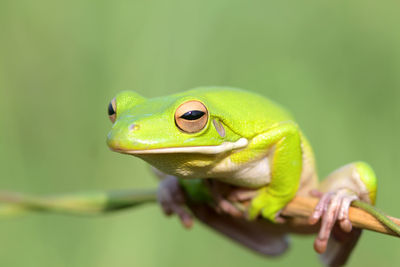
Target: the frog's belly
(252, 175)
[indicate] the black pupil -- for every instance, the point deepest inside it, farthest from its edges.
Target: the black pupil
(111, 110)
(193, 115)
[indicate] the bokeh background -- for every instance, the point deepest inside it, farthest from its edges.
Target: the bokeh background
(334, 64)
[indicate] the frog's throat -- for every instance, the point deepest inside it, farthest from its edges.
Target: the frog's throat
(224, 147)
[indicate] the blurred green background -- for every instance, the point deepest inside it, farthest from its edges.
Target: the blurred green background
(334, 64)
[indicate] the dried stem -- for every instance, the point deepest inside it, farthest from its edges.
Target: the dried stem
(96, 203)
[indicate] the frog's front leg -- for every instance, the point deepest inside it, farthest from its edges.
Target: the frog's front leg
(337, 191)
(283, 143)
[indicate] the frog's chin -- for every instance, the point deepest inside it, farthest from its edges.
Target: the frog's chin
(211, 150)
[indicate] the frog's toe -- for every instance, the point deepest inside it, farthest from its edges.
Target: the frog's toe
(275, 217)
(258, 205)
(224, 206)
(343, 217)
(253, 212)
(242, 194)
(224, 198)
(333, 207)
(265, 211)
(172, 200)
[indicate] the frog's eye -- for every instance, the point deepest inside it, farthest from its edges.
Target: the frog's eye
(191, 116)
(112, 110)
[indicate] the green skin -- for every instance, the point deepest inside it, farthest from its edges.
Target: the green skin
(261, 147)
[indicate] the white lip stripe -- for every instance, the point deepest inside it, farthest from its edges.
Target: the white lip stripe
(227, 146)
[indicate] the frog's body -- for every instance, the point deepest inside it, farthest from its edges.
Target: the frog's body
(236, 137)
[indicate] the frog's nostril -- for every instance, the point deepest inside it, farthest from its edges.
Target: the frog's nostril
(133, 127)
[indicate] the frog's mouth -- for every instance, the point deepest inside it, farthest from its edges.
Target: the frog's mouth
(224, 147)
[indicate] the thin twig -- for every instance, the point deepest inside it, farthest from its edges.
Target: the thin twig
(95, 203)
(88, 203)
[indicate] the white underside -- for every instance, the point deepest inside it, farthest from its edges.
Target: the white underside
(252, 174)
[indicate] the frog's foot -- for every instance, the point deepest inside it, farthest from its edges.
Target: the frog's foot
(332, 207)
(221, 203)
(172, 200)
(268, 206)
(229, 199)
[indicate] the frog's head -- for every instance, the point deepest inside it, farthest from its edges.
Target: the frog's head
(177, 134)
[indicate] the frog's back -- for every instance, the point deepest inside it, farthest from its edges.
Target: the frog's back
(245, 112)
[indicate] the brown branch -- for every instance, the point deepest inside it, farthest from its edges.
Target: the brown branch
(302, 208)
(95, 203)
